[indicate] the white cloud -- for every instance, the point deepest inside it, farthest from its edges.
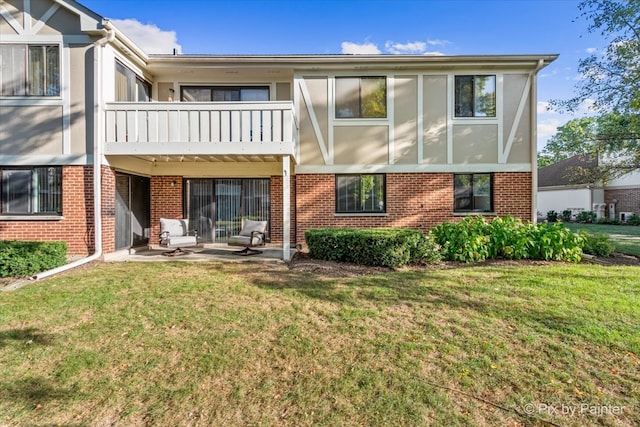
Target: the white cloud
(438, 42)
(350, 48)
(543, 107)
(586, 107)
(409, 48)
(546, 129)
(406, 48)
(149, 37)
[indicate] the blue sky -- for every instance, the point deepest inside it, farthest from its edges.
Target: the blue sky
(450, 27)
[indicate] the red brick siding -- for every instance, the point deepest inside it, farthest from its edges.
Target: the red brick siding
(166, 202)
(108, 209)
(276, 233)
(512, 194)
(414, 200)
(76, 227)
(628, 200)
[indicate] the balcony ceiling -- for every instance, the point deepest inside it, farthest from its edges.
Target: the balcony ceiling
(210, 159)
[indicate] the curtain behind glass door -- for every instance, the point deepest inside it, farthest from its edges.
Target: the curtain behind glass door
(216, 207)
(201, 208)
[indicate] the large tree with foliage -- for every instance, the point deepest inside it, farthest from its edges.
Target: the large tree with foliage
(611, 80)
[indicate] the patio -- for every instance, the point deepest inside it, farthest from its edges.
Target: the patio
(205, 252)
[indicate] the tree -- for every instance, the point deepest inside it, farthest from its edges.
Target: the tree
(613, 137)
(610, 80)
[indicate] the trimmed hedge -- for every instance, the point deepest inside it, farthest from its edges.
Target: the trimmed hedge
(474, 239)
(18, 259)
(387, 247)
(598, 244)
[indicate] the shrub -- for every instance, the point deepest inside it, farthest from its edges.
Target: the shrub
(475, 239)
(633, 219)
(598, 244)
(388, 247)
(552, 216)
(586, 217)
(566, 215)
(607, 221)
(20, 259)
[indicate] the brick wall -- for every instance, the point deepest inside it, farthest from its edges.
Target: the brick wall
(76, 227)
(276, 209)
(166, 202)
(512, 194)
(628, 200)
(108, 209)
(414, 200)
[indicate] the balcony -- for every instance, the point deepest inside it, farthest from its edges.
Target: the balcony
(214, 129)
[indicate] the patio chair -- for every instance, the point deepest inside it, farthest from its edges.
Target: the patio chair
(253, 233)
(175, 235)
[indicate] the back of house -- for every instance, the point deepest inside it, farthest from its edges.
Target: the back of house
(90, 123)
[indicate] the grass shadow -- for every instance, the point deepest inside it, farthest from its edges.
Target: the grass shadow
(26, 336)
(33, 391)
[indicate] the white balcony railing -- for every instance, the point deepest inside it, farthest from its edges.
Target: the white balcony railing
(197, 128)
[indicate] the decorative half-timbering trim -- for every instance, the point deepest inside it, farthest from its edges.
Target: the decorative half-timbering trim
(314, 121)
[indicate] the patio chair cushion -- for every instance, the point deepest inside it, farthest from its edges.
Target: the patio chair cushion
(181, 241)
(246, 240)
(251, 226)
(175, 227)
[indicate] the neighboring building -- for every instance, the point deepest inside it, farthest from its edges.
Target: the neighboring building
(90, 123)
(561, 187)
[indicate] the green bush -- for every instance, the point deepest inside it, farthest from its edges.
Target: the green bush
(18, 259)
(607, 221)
(586, 217)
(598, 244)
(633, 219)
(552, 216)
(566, 215)
(388, 247)
(475, 239)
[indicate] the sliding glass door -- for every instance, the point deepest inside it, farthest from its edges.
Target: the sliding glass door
(133, 215)
(216, 207)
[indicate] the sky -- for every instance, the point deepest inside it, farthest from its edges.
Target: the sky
(387, 27)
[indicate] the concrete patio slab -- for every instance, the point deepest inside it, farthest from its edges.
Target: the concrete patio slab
(209, 252)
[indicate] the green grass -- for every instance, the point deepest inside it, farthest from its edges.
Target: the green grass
(625, 237)
(251, 344)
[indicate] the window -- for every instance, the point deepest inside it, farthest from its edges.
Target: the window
(130, 87)
(360, 193)
(224, 93)
(361, 97)
(475, 96)
(29, 70)
(36, 190)
(216, 207)
(473, 192)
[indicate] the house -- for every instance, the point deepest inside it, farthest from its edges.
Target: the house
(99, 140)
(565, 186)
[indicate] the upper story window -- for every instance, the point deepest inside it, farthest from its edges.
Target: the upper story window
(29, 70)
(224, 93)
(32, 190)
(360, 193)
(361, 97)
(475, 96)
(130, 87)
(473, 192)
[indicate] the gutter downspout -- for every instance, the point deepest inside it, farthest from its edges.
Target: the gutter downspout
(534, 141)
(97, 157)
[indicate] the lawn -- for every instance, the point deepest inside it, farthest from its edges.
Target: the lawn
(132, 344)
(625, 237)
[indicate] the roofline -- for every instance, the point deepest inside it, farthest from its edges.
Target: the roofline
(530, 61)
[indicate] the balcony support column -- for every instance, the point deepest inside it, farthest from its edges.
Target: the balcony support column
(286, 208)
